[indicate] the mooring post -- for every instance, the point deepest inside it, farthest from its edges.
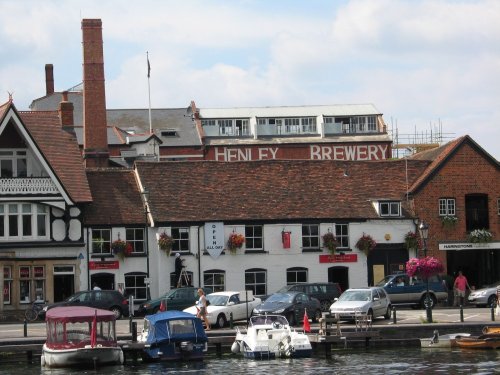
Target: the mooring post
(492, 312)
(25, 328)
(328, 350)
(231, 320)
(134, 331)
(394, 319)
(461, 313)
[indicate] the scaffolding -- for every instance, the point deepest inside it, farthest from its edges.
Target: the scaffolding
(406, 144)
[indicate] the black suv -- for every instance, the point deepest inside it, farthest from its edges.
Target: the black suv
(324, 292)
(111, 300)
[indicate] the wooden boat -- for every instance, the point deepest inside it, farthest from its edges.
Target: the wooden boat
(173, 336)
(269, 337)
(487, 330)
(485, 341)
(441, 341)
(80, 336)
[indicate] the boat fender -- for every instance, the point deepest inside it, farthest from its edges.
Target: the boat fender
(235, 348)
(42, 360)
(122, 359)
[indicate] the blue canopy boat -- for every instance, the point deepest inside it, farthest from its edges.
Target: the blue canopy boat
(173, 335)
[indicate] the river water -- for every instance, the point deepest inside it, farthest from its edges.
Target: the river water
(358, 362)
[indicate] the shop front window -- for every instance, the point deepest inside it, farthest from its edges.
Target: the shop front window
(7, 285)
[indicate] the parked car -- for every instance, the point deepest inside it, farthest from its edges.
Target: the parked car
(404, 289)
(324, 292)
(176, 299)
(292, 305)
(111, 300)
(222, 304)
(486, 296)
(372, 301)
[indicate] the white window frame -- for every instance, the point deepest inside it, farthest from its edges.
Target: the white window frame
(256, 285)
(292, 275)
(447, 207)
(24, 216)
(251, 237)
(131, 238)
(136, 285)
(372, 123)
(181, 243)
(390, 209)
(312, 238)
(342, 235)
(215, 275)
(101, 241)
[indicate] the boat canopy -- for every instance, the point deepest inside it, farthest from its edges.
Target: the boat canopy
(174, 326)
(78, 314)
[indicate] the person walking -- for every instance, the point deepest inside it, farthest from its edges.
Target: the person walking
(460, 285)
(201, 306)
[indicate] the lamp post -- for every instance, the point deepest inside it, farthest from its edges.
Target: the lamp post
(423, 229)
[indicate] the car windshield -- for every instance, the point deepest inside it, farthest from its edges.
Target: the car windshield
(217, 299)
(285, 289)
(384, 281)
(355, 295)
(280, 297)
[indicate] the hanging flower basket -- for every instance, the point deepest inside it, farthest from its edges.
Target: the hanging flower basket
(424, 267)
(235, 241)
(330, 242)
(480, 236)
(412, 241)
(121, 248)
(165, 242)
(366, 243)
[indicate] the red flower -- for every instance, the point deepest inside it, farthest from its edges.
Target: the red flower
(424, 267)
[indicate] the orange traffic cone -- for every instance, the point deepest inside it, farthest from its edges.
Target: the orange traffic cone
(163, 305)
(307, 326)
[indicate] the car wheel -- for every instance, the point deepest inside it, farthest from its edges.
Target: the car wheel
(492, 301)
(432, 301)
(388, 313)
(317, 316)
(325, 305)
(117, 311)
(291, 319)
(221, 320)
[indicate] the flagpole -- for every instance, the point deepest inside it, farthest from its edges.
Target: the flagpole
(149, 94)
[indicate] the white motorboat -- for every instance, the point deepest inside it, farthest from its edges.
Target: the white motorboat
(441, 341)
(270, 336)
(80, 336)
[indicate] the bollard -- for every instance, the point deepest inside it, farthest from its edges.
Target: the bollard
(492, 313)
(134, 332)
(25, 328)
(231, 320)
(461, 313)
(130, 323)
(394, 319)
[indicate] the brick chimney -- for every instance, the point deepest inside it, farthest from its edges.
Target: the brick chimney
(49, 79)
(95, 142)
(66, 111)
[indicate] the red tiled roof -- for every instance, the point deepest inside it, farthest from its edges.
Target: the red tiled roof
(60, 148)
(438, 156)
(116, 198)
(273, 190)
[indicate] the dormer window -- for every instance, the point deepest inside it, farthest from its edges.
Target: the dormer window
(390, 208)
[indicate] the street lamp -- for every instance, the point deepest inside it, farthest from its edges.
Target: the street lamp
(423, 229)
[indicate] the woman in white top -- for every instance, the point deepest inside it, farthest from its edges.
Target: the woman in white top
(201, 306)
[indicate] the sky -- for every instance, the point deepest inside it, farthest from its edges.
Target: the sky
(432, 68)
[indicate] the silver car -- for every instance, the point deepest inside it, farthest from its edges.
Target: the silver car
(486, 296)
(372, 301)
